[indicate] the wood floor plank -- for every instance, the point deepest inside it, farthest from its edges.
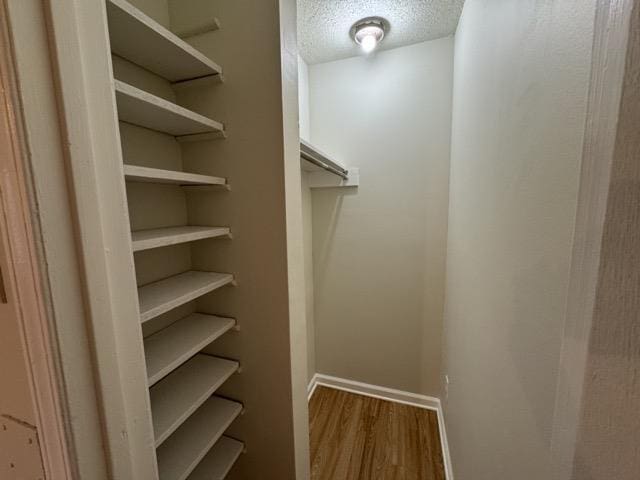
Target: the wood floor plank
(354, 437)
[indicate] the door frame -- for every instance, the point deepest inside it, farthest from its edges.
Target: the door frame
(66, 97)
(24, 279)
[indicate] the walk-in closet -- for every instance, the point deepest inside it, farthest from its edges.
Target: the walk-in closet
(319, 240)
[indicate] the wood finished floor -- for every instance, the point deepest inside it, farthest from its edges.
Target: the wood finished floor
(354, 437)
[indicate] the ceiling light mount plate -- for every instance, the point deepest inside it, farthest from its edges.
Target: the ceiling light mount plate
(369, 32)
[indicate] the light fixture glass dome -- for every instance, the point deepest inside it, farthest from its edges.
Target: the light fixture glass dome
(369, 32)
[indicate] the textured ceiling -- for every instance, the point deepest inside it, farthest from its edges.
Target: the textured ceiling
(323, 25)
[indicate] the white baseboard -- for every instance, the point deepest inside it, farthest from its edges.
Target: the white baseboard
(375, 391)
(446, 454)
(391, 395)
(312, 386)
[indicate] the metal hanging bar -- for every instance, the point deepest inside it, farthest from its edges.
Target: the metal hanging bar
(312, 155)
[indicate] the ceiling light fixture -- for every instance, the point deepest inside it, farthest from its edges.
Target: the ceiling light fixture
(369, 32)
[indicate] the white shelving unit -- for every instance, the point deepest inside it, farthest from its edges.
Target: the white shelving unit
(146, 110)
(178, 395)
(160, 297)
(188, 422)
(135, 173)
(145, 42)
(171, 347)
(164, 237)
(181, 454)
(218, 462)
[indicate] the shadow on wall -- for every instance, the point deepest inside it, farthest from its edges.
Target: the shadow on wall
(608, 443)
(535, 371)
(324, 232)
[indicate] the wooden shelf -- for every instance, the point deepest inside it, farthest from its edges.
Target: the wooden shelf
(163, 237)
(146, 110)
(217, 464)
(182, 452)
(178, 395)
(143, 41)
(133, 173)
(171, 347)
(160, 297)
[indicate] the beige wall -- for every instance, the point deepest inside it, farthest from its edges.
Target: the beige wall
(157, 9)
(520, 86)
(379, 250)
(256, 158)
(608, 442)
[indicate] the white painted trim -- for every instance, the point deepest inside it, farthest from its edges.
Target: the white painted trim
(80, 53)
(444, 441)
(311, 388)
(390, 395)
(375, 391)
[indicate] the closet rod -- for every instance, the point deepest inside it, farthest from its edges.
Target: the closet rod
(310, 154)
